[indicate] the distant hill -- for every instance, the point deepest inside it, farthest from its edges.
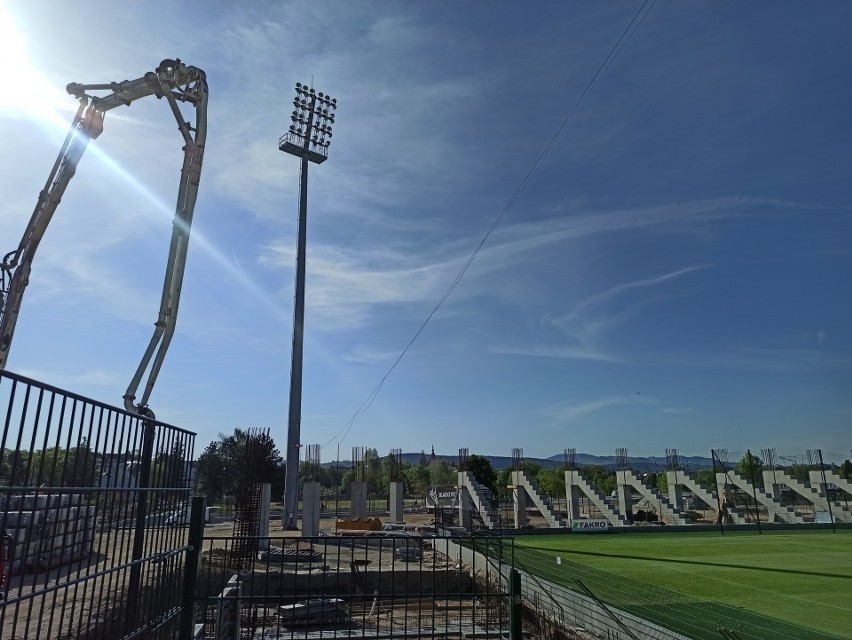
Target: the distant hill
(583, 459)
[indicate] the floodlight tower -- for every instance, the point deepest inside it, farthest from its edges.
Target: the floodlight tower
(308, 139)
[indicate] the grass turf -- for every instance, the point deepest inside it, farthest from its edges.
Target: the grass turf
(804, 578)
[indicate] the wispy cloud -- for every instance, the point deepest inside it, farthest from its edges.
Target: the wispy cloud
(608, 295)
(584, 352)
(91, 378)
(347, 283)
(566, 412)
(362, 354)
(585, 327)
(767, 359)
(678, 410)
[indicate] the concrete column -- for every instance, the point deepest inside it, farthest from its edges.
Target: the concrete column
(465, 507)
(572, 495)
(625, 493)
(675, 488)
(769, 484)
(311, 503)
(397, 490)
(265, 506)
(519, 500)
(358, 508)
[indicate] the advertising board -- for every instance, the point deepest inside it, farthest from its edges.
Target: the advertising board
(589, 526)
(446, 496)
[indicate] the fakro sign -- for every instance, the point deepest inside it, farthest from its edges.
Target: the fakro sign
(589, 526)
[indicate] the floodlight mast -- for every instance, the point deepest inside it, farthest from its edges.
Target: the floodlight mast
(308, 138)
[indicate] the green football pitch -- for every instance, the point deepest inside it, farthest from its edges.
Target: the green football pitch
(801, 577)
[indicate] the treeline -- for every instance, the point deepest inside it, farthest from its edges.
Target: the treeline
(82, 466)
(219, 472)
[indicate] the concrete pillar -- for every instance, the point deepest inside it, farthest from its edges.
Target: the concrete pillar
(675, 488)
(625, 493)
(572, 494)
(358, 507)
(397, 490)
(770, 485)
(465, 507)
(519, 500)
(265, 506)
(311, 503)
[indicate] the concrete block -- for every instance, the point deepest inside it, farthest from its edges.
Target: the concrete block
(23, 519)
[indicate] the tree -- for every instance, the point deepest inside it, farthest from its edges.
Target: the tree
(552, 482)
(376, 481)
(504, 479)
(800, 472)
(222, 464)
(750, 465)
(532, 469)
(706, 478)
(481, 468)
(845, 470)
(441, 473)
(417, 479)
(601, 478)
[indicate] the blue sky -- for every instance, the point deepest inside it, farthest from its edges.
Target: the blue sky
(676, 274)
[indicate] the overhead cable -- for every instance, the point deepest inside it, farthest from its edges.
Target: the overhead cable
(622, 41)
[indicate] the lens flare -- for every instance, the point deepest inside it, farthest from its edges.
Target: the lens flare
(29, 95)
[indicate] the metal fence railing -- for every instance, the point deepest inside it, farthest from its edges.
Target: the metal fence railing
(372, 586)
(93, 505)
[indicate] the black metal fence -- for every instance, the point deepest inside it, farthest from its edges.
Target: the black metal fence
(94, 505)
(368, 586)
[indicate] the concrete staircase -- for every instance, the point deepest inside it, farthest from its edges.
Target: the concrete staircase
(667, 511)
(813, 494)
(479, 496)
(777, 512)
(576, 479)
(832, 477)
(521, 481)
(705, 494)
(841, 510)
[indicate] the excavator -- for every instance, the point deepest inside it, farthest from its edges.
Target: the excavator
(177, 83)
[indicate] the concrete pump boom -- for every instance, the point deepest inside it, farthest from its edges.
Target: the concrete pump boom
(175, 82)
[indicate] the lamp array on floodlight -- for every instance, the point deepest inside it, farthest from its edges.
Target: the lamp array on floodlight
(312, 117)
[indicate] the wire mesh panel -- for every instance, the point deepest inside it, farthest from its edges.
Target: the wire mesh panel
(368, 586)
(94, 508)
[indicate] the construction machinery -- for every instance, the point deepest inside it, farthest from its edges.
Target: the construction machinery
(177, 83)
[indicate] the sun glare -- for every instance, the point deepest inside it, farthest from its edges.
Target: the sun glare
(26, 92)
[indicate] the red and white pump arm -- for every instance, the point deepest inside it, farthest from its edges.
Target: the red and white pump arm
(176, 82)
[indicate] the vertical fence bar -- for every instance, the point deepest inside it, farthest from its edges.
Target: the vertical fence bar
(143, 480)
(190, 574)
(516, 607)
(754, 489)
(720, 511)
(827, 494)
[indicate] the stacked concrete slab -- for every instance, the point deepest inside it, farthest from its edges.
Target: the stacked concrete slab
(47, 530)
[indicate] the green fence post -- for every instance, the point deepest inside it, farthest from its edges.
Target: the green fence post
(190, 573)
(515, 610)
